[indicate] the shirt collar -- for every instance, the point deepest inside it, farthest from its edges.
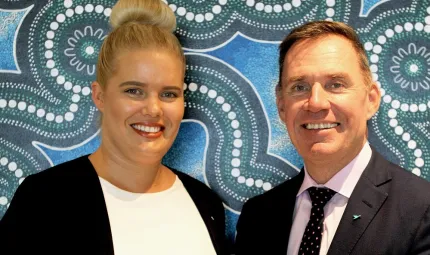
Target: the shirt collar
(345, 180)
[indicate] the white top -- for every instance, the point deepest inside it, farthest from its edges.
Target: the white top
(343, 183)
(162, 223)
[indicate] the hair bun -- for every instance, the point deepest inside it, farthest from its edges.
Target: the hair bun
(149, 12)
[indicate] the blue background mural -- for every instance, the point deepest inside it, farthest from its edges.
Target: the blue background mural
(231, 137)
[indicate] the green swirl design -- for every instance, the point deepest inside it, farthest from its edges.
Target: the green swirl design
(204, 24)
(237, 163)
(399, 53)
(15, 165)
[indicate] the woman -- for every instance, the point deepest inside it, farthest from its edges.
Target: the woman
(121, 199)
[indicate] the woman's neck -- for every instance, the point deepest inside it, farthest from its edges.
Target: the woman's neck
(131, 175)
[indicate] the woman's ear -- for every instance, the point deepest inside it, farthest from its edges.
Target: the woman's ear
(98, 95)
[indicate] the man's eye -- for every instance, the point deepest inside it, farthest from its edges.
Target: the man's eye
(300, 88)
(335, 86)
(134, 91)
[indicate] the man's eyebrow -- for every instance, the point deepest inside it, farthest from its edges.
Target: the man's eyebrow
(295, 79)
(342, 76)
(134, 83)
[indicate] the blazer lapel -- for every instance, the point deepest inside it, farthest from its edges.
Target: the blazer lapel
(366, 200)
(96, 220)
(284, 215)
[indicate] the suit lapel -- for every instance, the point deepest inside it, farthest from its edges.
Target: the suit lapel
(366, 200)
(279, 212)
(284, 215)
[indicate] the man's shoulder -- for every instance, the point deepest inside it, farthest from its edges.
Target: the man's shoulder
(284, 192)
(405, 190)
(406, 181)
(399, 178)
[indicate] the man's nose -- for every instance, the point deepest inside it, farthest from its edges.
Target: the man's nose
(318, 99)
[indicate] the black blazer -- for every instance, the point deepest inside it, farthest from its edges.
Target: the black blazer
(62, 211)
(394, 206)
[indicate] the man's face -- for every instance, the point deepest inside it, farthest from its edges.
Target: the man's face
(324, 100)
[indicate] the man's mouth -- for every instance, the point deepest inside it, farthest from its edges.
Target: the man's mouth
(147, 129)
(313, 126)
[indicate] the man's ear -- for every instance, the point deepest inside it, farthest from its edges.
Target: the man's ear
(374, 100)
(98, 95)
(280, 103)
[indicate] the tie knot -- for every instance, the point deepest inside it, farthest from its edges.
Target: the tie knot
(320, 196)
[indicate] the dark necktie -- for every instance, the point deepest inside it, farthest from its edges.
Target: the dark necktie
(311, 240)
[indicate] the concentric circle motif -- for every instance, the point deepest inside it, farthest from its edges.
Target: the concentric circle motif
(398, 48)
(68, 36)
(52, 103)
(204, 24)
(410, 68)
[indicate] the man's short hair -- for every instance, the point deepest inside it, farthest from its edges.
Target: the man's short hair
(317, 29)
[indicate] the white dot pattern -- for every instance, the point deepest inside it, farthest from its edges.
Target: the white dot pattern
(312, 237)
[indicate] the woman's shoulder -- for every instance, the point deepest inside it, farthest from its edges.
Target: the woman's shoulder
(55, 185)
(67, 171)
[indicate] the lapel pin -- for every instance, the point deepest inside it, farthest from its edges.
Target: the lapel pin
(356, 216)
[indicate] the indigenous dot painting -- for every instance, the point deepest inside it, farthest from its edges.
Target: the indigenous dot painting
(231, 137)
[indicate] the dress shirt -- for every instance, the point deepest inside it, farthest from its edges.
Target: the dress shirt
(343, 183)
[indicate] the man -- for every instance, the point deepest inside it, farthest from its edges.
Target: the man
(348, 199)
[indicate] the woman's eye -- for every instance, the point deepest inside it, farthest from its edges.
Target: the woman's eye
(169, 94)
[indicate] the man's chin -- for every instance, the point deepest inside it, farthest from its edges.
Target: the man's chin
(318, 150)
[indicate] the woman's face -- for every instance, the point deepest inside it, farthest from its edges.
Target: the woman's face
(142, 104)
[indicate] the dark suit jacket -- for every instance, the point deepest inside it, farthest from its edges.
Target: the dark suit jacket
(62, 211)
(393, 204)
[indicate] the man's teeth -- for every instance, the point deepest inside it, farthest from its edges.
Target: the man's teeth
(146, 128)
(321, 125)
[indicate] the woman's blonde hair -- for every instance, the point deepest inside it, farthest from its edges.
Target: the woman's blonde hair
(137, 24)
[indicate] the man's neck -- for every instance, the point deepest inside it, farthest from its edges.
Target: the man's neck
(322, 169)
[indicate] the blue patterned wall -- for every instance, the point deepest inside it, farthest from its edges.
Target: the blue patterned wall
(231, 137)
